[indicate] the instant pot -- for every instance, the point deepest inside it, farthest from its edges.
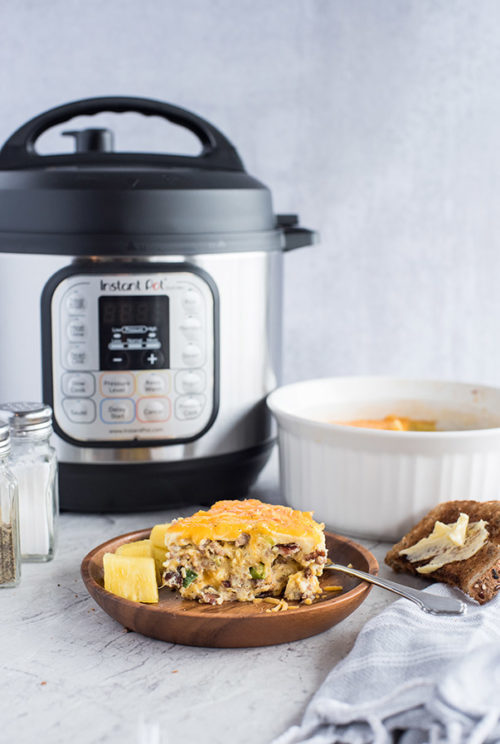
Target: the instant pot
(140, 296)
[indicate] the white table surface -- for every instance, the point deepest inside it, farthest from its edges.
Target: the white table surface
(69, 673)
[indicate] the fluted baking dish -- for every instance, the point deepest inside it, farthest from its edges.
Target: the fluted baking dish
(375, 483)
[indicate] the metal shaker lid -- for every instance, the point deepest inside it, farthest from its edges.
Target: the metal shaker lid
(4, 438)
(27, 417)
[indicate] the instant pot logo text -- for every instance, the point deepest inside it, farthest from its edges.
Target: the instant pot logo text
(133, 285)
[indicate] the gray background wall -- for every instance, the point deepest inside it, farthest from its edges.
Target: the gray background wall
(377, 120)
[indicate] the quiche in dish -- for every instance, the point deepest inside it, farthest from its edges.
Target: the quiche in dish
(242, 550)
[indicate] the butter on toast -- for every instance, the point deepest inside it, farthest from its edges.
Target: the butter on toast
(477, 576)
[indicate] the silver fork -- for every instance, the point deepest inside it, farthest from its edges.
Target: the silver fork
(427, 602)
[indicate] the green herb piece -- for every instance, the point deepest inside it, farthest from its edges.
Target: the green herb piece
(189, 577)
(257, 572)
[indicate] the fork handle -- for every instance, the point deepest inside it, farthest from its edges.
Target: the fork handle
(427, 602)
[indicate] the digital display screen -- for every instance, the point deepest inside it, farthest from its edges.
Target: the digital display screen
(134, 332)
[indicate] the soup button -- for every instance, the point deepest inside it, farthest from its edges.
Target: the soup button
(153, 409)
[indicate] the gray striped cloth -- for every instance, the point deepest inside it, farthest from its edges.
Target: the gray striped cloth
(412, 678)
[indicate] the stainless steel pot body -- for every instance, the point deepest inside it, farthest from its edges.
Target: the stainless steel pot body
(249, 286)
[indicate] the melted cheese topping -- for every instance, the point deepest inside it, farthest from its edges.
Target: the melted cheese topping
(226, 520)
(392, 423)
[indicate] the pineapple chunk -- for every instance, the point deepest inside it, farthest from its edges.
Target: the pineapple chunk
(159, 554)
(146, 549)
(157, 535)
(142, 548)
(131, 577)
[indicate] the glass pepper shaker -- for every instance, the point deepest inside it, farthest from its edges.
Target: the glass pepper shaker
(10, 568)
(34, 464)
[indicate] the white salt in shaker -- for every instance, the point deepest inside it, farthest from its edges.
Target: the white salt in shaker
(34, 463)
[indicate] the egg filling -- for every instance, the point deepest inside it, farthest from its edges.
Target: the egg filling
(241, 550)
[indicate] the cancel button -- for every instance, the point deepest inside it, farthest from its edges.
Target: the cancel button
(153, 409)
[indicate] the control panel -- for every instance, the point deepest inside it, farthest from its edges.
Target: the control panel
(133, 356)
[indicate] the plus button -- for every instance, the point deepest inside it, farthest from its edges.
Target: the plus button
(152, 358)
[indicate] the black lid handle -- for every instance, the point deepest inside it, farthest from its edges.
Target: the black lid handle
(217, 152)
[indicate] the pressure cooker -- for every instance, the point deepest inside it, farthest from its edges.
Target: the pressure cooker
(141, 298)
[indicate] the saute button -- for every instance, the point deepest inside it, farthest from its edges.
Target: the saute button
(190, 381)
(77, 356)
(76, 330)
(117, 411)
(153, 409)
(192, 355)
(76, 384)
(189, 406)
(120, 384)
(153, 383)
(79, 410)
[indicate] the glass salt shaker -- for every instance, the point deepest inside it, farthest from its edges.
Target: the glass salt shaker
(34, 463)
(10, 567)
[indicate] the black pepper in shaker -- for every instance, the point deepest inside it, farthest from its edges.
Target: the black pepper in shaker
(10, 566)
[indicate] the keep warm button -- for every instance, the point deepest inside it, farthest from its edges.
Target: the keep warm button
(153, 409)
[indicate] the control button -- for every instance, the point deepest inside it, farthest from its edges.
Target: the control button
(190, 381)
(192, 355)
(117, 411)
(191, 327)
(120, 384)
(78, 384)
(189, 406)
(79, 410)
(153, 383)
(117, 360)
(190, 323)
(76, 302)
(153, 409)
(77, 356)
(76, 330)
(191, 300)
(153, 359)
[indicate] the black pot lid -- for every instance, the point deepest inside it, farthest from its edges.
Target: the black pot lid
(97, 200)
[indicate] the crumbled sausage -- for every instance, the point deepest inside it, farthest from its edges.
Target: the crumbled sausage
(211, 547)
(172, 579)
(210, 596)
(242, 540)
(288, 548)
(317, 555)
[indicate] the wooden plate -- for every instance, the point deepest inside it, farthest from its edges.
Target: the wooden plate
(232, 624)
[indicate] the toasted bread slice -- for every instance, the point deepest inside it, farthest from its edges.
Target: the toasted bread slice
(479, 575)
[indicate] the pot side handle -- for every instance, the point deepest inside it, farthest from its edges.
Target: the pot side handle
(293, 235)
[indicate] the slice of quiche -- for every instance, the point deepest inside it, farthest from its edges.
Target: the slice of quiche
(241, 550)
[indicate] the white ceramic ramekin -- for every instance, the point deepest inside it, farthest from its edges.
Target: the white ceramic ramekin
(374, 483)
